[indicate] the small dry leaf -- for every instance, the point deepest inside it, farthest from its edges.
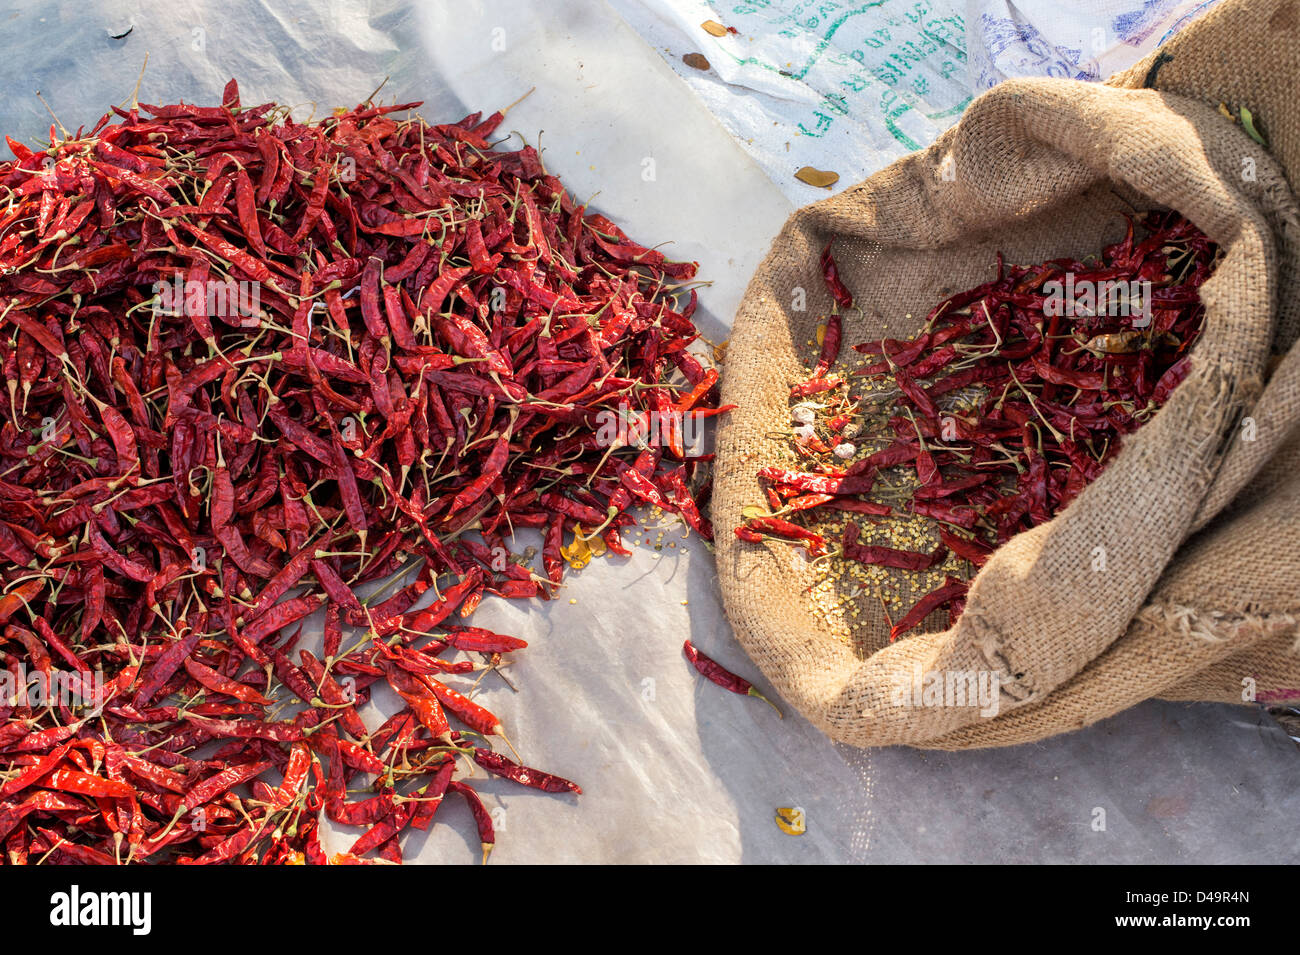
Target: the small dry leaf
(1122, 343)
(578, 554)
(698, 61)
(720, 352)
(821, 335)
(1248, 123)
(791, 821)
(817, 177)
(714, 28)
(581, 550)
(752, 511)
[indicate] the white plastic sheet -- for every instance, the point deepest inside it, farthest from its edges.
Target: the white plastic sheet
(842, 87)
(1071, 41)
(675, 770)
(849, 87)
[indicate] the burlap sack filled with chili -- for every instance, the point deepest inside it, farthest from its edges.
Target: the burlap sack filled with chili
(1198, 515)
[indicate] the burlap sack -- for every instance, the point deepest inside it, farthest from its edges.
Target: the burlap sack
(1200, 527)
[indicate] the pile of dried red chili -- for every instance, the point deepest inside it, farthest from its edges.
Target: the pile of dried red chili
(1012, 398)
(252, 364)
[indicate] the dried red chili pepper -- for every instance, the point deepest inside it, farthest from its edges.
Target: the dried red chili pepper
(831, 275)
(951, 590)
(889, 556)
(757, 528)
(498, 765)
(723, 677)
(1008, 410)
(830, 345)
(218, 469)
(482, 818)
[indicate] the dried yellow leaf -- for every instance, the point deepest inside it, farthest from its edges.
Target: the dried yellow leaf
(578, 554)
(720, 351)
(791, 821)
(581, 550)
(821, 335)
(714, 28)
(817, 177)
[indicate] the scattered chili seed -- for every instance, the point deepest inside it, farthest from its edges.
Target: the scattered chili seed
(1012, 398)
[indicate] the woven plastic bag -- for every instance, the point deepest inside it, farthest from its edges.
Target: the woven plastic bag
(1198, 516)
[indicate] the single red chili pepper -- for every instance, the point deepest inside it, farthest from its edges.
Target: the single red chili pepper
(291, 676)
(951, 590)
(428, 618)
(757, 528)
(830, 345)
(966, 548)
(85, 784)
(1172, 377)
(18, 598)
(218, 683)
(697, 393)
(295, 773)
(940, 489)
(281, 615)
(280, 732)
(814, 386)
(483, 641)
(44, 801)
(158, 776)
(34, 772)
(889, 556)
(358, 758)
(723, 677)
(420, 697)
(365, 812)
(831, 275)
(430, 795)
(163, 668)
(552, 561)
(476, 717)
(498, 765)
(482, 818)
(222, 782)
(818, 483)
(334, 695)
(916, 394)
(958, 514)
